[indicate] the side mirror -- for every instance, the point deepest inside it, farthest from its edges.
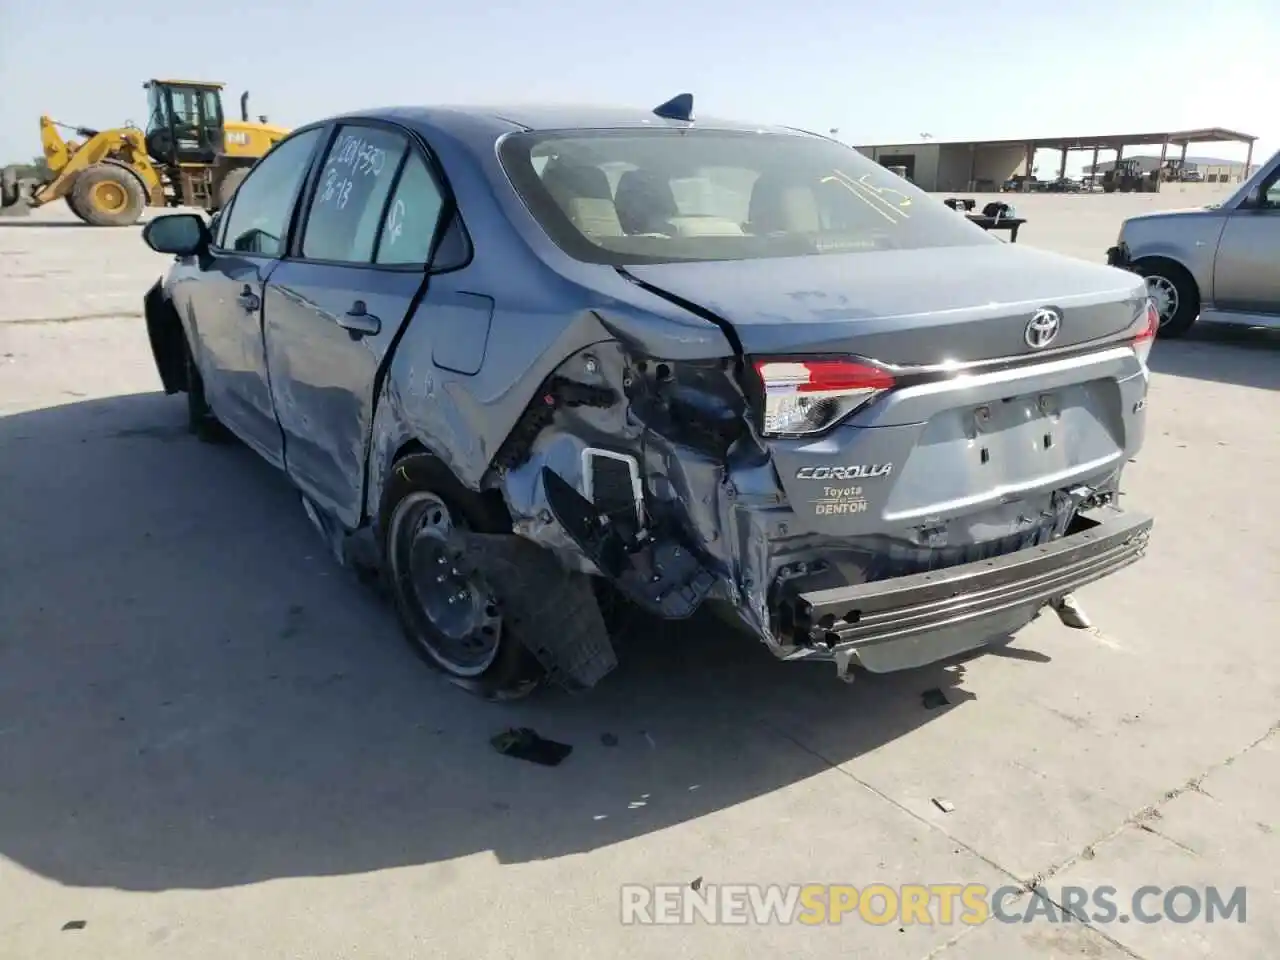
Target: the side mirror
(180, 234)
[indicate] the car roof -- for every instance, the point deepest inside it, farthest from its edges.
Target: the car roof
(498, 120)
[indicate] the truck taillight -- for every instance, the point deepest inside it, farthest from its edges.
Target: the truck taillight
(805, 397)
(1147, 325)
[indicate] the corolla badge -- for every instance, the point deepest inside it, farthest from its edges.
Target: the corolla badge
(1043, 327)
(854, 471)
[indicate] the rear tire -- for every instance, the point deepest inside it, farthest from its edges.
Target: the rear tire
(107, 195)
(1175, 294)
(450, 602)
(228, 185)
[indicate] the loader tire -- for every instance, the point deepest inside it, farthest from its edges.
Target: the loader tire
(71, 203)
(227, 186)
(108, 195)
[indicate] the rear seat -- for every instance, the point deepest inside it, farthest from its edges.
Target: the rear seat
(583, 193)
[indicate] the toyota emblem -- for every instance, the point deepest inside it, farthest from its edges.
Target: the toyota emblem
(1043, 328)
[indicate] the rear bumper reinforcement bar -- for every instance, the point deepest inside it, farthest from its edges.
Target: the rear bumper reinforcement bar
(852, 617)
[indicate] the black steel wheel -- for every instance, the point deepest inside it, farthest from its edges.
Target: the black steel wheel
(450, 608)
(452, 596)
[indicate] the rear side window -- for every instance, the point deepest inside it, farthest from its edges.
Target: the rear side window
(258, 220)
(351, 194)
(652, 196)
(413, 217)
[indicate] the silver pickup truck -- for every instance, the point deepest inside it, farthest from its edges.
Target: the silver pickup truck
(1219, 263)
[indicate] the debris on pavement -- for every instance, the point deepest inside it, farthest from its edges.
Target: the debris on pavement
(525, 744)
(934, 698)
(946, 806)
(1071, 613)
(608, 739)
(696, 885)
(75, 925)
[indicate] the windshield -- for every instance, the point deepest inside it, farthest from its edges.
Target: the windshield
(653, 196)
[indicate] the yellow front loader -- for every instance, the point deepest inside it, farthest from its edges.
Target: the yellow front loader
(189, 155)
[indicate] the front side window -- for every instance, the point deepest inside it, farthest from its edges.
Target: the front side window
(413, 216)
(351, 194)
(1271, 191)
(258, 221)
(646, 196)
(157, 108)
(184, 105)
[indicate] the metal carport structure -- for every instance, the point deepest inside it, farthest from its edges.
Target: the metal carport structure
(1117, 142)
(984, 164)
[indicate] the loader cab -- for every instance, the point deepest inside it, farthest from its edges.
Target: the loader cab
(185, 121)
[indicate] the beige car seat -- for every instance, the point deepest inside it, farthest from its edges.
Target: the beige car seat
(582, 192)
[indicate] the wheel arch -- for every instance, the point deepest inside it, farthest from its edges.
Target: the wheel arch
(413, 464)
(1160, 256)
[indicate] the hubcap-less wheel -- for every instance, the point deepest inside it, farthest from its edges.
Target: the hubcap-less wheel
(109, 197)
(1165, 295)
(451, 608)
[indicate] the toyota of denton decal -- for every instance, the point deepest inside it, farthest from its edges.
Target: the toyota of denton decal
(837, 501)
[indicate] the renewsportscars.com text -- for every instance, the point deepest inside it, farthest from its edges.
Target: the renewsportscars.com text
(939, 903)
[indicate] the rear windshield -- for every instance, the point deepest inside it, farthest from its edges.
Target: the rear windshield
(654, 196)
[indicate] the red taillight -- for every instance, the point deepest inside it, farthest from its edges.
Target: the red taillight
(807, 396)
(1148, 324)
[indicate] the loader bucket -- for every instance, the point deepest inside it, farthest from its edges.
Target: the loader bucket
(19, 208)
(15, 193)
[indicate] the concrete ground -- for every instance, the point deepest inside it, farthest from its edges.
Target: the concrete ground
(213, 742)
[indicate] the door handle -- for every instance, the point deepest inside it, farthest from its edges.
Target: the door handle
(249, 300)
(359, 322)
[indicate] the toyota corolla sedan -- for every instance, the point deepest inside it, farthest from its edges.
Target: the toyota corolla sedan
(516, 360)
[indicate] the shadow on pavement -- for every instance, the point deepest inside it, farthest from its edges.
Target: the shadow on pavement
(1222, 352)
(192, 695)
(23, 222)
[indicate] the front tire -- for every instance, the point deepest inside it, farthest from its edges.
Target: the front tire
(200, 418)
(108, 195)
(71, 203)
(1174, 290)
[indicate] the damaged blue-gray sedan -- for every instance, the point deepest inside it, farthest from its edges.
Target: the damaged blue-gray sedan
(520, 360)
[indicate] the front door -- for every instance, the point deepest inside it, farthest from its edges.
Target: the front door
(334, 309)
(1246, 271)
(226, 303)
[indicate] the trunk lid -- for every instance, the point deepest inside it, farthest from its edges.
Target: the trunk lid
(923, 306)
(939, 460)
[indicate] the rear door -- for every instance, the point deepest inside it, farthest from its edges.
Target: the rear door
(224, 306)
(334, 308)
(1246, 272)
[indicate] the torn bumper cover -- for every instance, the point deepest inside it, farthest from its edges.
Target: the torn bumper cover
(657, 481)
(909, 621)
(1118, 256)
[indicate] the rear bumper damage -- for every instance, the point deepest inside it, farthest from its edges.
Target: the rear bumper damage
(647, 473)
(916, 619)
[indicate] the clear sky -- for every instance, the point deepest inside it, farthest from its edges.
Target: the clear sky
(880, 73)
